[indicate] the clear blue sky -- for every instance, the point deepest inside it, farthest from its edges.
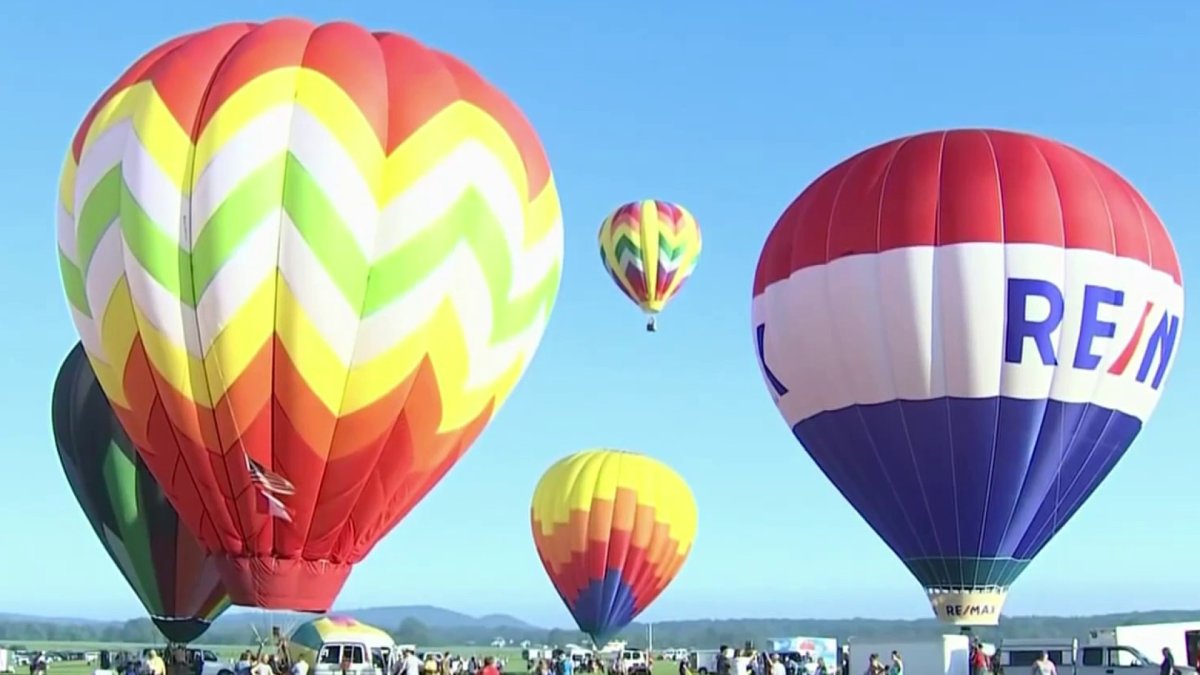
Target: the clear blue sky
(731, 109)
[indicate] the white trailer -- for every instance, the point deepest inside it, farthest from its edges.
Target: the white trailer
(942, 655)
(1182, 638)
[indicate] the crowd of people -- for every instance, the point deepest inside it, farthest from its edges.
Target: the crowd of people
(410, 663)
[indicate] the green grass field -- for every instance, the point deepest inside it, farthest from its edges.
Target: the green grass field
(512, 656)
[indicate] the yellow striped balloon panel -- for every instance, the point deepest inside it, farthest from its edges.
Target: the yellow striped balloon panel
(332, 250)
(650, 248)
(612, 528)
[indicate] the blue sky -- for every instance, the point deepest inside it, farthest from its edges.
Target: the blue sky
(730, 109)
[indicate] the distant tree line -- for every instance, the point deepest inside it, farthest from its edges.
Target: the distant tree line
(697, 634)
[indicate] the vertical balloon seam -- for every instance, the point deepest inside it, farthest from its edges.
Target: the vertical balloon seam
(185, 233)
(269, 408)
(842, 363)
(187, 226)
(608, 594)
(615, 551)
(611, 254)
(631, 482)
(1009, 568)
(602, 549)
(649, 237)
(978, 562)
(825, 182)
(333, 434)
(642, 581)
(908, 441)
(187, 278)
(1053, 524)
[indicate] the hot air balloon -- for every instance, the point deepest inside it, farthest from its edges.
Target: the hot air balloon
(308, 264)
(649, 249)
(171, 573)
(612, 528)
(966, 330)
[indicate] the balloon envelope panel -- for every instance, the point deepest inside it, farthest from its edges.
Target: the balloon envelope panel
(328, 250)
(649, 249)
(612, 529)
(176, 580)
(966, 330)
(312, 634)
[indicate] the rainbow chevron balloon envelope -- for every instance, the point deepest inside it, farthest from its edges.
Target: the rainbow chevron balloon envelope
(649, 249)
(305, 256)
(612, 528)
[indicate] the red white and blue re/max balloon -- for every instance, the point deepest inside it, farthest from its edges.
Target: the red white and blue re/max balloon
(966, 330)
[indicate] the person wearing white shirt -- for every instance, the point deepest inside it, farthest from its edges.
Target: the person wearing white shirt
(300, 667)
(777, 667)
(412, 665)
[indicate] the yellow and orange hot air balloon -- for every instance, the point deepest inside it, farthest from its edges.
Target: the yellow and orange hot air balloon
(308, 264)
(612, 528)
(649, 249)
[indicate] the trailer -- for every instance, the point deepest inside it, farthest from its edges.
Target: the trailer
(1182, 638)
(942, 655)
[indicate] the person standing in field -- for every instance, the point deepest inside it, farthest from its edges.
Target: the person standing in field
(1044, 666)
(777, 667)
(299, 667)
(154, 664)
(489, 666)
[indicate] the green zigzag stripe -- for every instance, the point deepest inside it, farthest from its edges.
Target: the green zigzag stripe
(624, 244)
(671, 252)
(370, 287)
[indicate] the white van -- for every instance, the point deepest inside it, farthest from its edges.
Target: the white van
(633, 662)
(704, 661)
(329, 642)
(1073, 659)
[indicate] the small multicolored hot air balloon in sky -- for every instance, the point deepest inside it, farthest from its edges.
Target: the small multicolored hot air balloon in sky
(966, 330)
(171, 573)
(650, 248)
(612, 528)
(309, 262)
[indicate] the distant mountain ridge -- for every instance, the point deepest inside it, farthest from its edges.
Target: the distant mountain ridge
(383, 617)
(60, 620)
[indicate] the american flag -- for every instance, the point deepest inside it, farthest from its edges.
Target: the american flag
(269, 485)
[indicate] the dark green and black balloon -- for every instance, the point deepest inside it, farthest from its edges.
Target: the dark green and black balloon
(166, 566)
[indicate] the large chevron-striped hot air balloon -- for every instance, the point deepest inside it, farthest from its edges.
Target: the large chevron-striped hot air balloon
(966, 330)
(171, 573)
(308, 263)
(649, 249)
(612, 528)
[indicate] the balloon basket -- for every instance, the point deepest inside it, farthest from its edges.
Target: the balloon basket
(651, 326)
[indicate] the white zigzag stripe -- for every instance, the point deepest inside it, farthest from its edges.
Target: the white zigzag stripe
(239, 277)
(293, 128)
(88, 335)
(626, 259)
(68, 245)
(459, 280)
(667, 264)
(104, 152)
(103, 274)
(534, 263)
(153, 189)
